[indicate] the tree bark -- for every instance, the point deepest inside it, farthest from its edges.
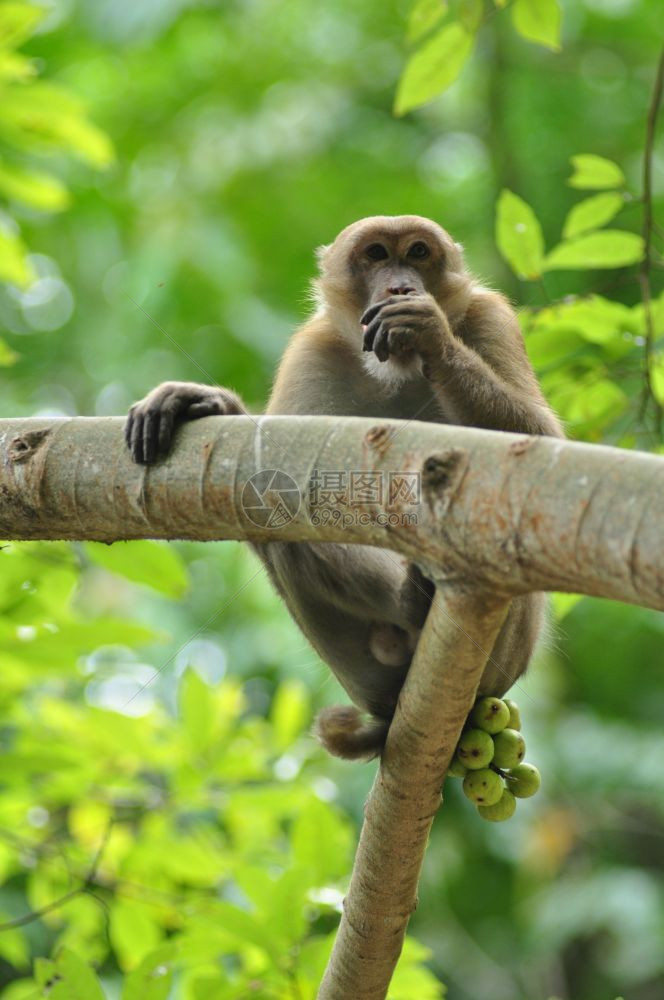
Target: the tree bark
(439, 692)
(509, 512)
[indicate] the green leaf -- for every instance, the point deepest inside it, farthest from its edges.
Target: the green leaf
(14, 66)
(74, 979)
(132, 931)
(595, 319)
(313, 956)
(592, 171)
(657, 378)
(197, 708)
(17, 22)
(592, 213)
(14, 264)
(43, 970)
(22, 989)
(14, 945)
(412, 978)
(153, 978)
(596, 404)
(247, 928)
(469, 13)
(7, 356)
(280, 901)
(563, 603)
(38, 190)
(43, 116)
(290, 712)
(89, 821)
(155, 564)
(47, 648)
(191, 858)
(608, 248)
(320, 842)
(519, 235)
(538, 21)
(423, 17)
(433, 68)
(286, 907)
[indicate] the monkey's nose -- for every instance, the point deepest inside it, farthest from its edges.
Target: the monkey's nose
(401, 290)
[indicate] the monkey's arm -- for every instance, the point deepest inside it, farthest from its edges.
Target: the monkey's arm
(480, 373)
(486, 371)
(481, 398)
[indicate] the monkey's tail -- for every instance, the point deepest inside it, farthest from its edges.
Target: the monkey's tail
(345, 732)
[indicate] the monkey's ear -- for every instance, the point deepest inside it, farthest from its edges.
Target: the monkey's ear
(321, 253)
(460, 256)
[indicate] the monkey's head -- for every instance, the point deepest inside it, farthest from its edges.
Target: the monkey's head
(387, 255)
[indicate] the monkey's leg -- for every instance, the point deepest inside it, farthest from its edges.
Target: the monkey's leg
(362, 581)
(525, 624)
(362, 609)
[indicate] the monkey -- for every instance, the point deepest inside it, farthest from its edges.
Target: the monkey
(401, 329)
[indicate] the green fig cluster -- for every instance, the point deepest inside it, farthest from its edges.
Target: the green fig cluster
(489, 759)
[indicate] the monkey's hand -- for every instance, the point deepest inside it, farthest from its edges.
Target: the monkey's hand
(152, 421)
(404, 325)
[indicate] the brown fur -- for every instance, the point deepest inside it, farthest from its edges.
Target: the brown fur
(438, 346)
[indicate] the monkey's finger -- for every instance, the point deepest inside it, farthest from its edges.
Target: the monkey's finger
(381, 346)
(165, 431)
(400, 340)
(403, 310)
(168, 414)
(369, 342)
(150, 435)
(372, 311)
(368, 339)
(206, 408)
(128, 426)
(136, 444)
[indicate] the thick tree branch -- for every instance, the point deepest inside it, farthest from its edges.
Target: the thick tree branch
(509, 512)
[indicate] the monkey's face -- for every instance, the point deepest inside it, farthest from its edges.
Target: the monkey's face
(383, 256)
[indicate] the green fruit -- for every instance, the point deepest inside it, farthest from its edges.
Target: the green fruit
(456, 768)
(475, 749)
(509, 748)
(501, 810)
(524, 780)
(515, 714)
(490, 714)
(484, 787)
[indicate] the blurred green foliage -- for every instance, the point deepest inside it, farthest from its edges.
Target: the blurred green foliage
(161, 801)
(37, 118)
(188, 840)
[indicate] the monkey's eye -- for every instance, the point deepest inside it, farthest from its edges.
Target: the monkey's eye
(376, 251)
(419, 250)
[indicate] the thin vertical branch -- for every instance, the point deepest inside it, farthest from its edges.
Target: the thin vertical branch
(647, 262)
(440, 688)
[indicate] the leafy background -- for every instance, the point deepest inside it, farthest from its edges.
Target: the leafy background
(167, 826)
